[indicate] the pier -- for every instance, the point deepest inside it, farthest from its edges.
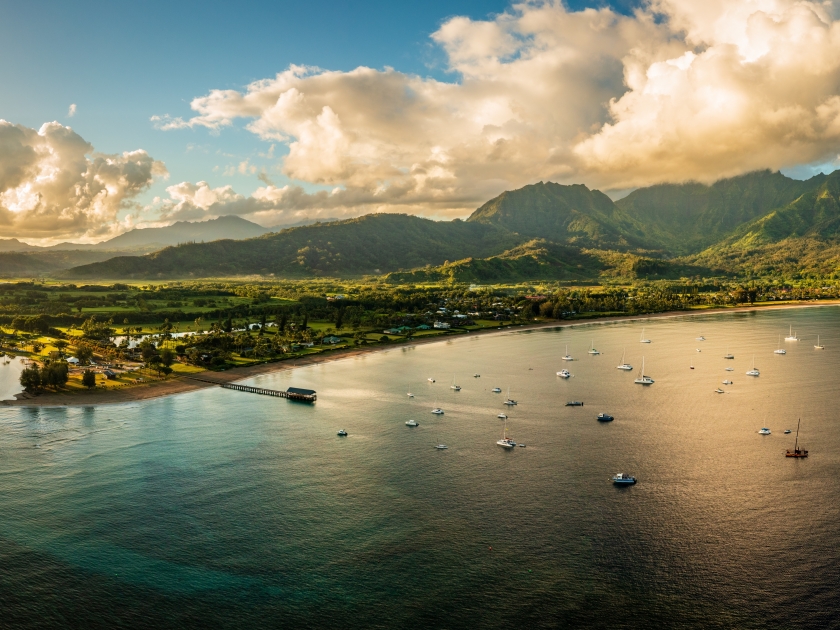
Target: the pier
(292, 393)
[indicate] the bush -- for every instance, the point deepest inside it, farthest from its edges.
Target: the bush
(89, 379)
(30, 378)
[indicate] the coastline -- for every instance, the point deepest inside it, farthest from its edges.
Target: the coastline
(184, 384)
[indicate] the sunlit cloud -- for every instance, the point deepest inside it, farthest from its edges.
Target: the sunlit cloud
(53, 184)
(679, 90)
(71, 111)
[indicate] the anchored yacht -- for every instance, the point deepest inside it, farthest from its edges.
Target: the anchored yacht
(642, 338)
(412, 423)
(818, 346)
(592, 349)
(567, 357)
(644, 380)
(564, 374)
(780, 350)
(791, 335)
(623, 365)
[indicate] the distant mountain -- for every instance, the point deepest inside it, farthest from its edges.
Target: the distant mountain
(574, 215)
(742, 225)
(14, 245)
(142, 240)
(372, 244)
(686, 218)
(227, 227)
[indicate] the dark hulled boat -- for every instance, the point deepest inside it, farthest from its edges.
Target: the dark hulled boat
(797, 452)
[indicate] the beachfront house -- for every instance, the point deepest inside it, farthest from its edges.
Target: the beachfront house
(110, 375)
(442, 325)
(332, 340)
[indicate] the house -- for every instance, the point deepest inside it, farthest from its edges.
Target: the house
(424, 327)
(332, 340)
(441, 325)
(73, 361)
(110, 374)
(403, 329)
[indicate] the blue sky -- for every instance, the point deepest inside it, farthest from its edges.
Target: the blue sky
(551, 94)
(123, 62)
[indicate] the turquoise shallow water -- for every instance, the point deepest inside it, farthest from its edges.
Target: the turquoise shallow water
(224, 509)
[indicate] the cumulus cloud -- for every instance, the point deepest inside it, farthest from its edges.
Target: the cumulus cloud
(52, 183)
(678, 90)
(71, 111)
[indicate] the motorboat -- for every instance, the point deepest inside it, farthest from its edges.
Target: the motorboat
(753, 371)
(502, 416)
(457, 388)
(497, 390)
(764, 431)
(410, 395)
(574, 403)
(796, 452)
(727, 382)
(791, 335)
(412, 423)
(431, 380)
(623, 479)
(691, 365)
(642, 337)
(437, 411)
(787, 431)
(592, 349)
(729, 369)
(441, 447)
(700, 338)
(644, 380)
(564, 374)
(719, 391)
(699, 350)
(342, 433)
(728, 356)
(623, 365)
(476, 375)
(520, 445)
(605, 417)
(818, 346)
(567, 356)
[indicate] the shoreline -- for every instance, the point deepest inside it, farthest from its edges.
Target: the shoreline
(184, 384)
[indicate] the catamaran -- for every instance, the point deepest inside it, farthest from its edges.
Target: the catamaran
(568, 357)
(818, 346)
(510, 401)
(642, 338)
(791, 335)
(644, 380)
(592, 349)
(623, 365)
(753, 371)
(506, 442)
(780, 350)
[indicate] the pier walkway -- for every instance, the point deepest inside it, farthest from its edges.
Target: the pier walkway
(293, 393)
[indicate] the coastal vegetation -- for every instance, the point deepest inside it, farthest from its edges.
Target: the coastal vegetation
(128, 334)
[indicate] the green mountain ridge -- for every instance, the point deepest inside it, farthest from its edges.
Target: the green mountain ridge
(740, 225)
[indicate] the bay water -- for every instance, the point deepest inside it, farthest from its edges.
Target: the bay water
(231, 510)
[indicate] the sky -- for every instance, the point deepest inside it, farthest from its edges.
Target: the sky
(117, 115)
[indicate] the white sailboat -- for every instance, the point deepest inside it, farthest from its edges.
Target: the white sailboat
(592, 349)
(437, 410)
(510, 401)
(642, 338)
(753, 371)
(457, 388)
(506, 442)
(644, 380)
(567, 357)
(818, 346)
(623, 365)
(791, 335)
(780, 350)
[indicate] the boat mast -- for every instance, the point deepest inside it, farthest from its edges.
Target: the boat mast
(796, 445)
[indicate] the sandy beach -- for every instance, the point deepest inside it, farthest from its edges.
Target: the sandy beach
(182, 384)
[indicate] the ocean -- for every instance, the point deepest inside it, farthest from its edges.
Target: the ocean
(224, 509)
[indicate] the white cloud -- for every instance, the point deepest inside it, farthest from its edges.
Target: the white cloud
(679, 90)
(52, 183)
(71, 111)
